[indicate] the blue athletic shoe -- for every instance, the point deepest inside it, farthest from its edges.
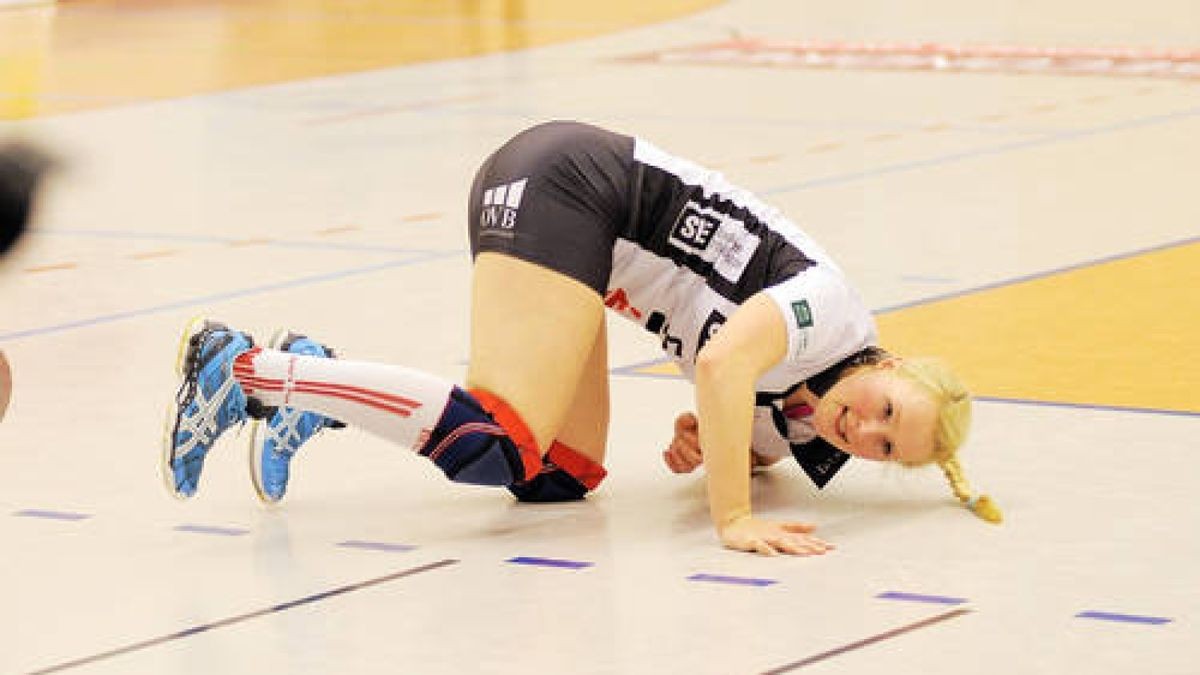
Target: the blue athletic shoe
(274, 442)
(208, 403)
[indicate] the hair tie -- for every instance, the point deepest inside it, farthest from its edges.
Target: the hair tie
(985, 508)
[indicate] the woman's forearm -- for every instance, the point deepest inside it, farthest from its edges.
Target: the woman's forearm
(725, 402)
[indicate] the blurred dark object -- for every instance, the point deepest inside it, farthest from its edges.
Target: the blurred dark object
(21, 169)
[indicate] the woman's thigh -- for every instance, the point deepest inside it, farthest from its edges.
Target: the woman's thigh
(585, 428)
(533, 331)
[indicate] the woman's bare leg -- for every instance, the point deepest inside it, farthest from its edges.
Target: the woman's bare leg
(533, 333)
(585, 428)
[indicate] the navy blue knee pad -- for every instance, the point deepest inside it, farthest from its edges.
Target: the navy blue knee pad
(555, 485)
(470, 447)
(566, 476)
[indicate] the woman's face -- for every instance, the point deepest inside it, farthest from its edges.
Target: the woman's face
(877, 414)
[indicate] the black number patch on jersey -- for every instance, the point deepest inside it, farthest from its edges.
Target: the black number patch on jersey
(657, 323)
(710, 328)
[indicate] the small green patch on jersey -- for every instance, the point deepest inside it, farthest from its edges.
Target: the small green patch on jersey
(803, 314)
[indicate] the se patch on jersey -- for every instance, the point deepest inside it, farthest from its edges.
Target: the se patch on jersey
(716, 238)
(695, 230)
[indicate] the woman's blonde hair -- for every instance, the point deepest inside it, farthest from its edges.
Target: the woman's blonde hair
(953, 403)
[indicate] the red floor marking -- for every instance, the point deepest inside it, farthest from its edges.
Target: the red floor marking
(797, 665)
(203, 628)
(1103, 61)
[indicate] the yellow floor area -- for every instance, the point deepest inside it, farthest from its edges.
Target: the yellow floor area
(84, 54)
(1119, 333)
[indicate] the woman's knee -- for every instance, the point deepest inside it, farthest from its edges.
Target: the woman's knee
(566, 475)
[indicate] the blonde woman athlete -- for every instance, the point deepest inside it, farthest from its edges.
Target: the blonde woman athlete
(565, 219)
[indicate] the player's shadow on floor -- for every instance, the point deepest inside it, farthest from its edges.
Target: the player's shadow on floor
(783, 494)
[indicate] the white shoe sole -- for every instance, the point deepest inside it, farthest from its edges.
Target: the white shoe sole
(195, 325)
(257, 437)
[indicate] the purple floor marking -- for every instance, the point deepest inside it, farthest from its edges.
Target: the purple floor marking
(797, 665)
(916, 597)
(1123, 618)
(735, 581)
(376, 546)
(220, 297)
(202, 628)
(210, 529)
(632, 370)
(549, 562)
(51, 515)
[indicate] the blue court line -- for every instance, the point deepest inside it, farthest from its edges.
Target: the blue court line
(219, 297)
(734, 581)
(866, 642)
(377, 546)
(1123, 618)
(984, 151)
(51, 515)
(130, 235)
(631, 370)
(917, 597)
(1089, 406)
(549, 562)
(927, 279)
(223, 623)
(865, 126)
(1116, 257)
(212, 529)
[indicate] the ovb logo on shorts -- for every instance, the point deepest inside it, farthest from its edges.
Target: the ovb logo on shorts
(695, 229)
(500, 205)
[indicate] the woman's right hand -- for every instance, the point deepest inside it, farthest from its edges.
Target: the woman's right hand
(683, 454)
(768, 537)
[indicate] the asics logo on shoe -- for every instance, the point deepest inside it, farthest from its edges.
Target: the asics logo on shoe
(284, 432)
(202, 427)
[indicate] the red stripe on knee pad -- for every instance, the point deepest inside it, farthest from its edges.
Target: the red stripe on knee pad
(510, 420)
(579, 465)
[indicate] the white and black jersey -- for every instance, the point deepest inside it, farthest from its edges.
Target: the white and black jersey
(677, 249)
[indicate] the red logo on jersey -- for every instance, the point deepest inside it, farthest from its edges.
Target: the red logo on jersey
(618, 300)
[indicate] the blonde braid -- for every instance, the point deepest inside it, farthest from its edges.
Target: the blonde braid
(954, 419)
(981, 505)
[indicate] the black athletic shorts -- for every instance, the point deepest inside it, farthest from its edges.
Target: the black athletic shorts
(556, 195)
